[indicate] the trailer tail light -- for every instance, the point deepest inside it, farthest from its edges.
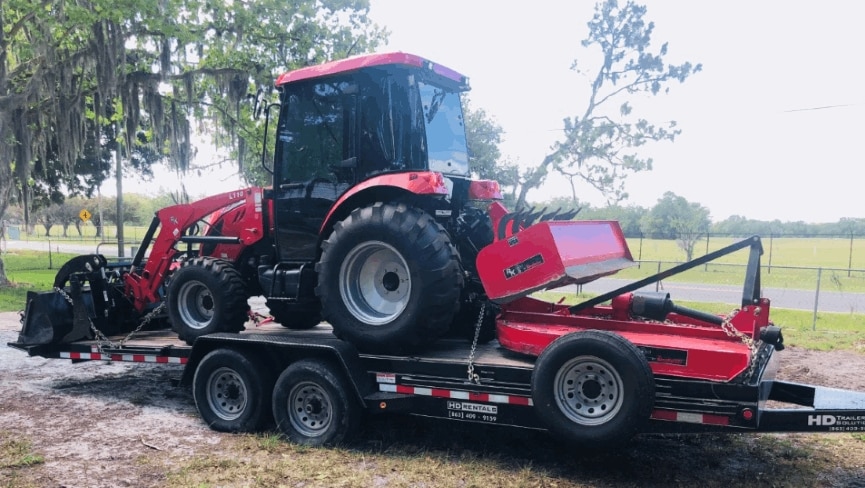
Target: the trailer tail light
(485, 190)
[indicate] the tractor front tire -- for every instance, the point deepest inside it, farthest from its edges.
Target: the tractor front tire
(205, 296)
(593, 389)
(389, 279)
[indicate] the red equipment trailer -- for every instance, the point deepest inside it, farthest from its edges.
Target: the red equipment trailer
(602, 373)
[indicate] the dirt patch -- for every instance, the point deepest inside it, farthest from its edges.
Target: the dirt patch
(115, 424)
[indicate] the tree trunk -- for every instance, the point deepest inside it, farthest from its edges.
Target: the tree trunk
(4, 281)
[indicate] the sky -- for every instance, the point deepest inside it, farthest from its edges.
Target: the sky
(770, 127)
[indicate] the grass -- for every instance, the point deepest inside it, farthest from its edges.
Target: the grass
(17, 453)
(402, 452)
(35, 275)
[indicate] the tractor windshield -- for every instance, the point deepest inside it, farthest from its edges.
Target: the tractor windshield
(445, 132)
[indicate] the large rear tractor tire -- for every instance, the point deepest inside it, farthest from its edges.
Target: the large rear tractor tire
(205, 296)
(593, 389)
(389, 279)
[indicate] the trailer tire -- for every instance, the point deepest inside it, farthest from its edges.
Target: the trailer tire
(314, 404)
(593, 389)
(205, 296)
(389, 279)
(294, 317)
(232, 391)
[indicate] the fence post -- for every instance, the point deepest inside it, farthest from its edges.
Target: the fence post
(850, 256)
(658, 283)
(769, 269)
(817, 298)
(50, 261)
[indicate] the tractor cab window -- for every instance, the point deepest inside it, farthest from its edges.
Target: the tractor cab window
(390, 132)
(445, 132)
(315, 130)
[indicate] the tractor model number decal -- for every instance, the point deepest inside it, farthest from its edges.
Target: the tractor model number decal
(666, 356)
(524, 266)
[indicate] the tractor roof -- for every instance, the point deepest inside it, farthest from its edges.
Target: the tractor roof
(370, 60)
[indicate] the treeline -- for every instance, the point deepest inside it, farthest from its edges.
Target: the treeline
(64, 219)
(636, 221)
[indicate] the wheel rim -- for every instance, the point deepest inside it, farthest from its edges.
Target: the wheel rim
(588, 390)
(226, 394)
(374, 283)
(195, 305)
(310, 409)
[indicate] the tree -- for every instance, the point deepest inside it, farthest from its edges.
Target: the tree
(601, 146)
(483, 136)
(673, 217)
(151, 69)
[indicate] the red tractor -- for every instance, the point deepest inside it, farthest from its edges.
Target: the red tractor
(373, 223)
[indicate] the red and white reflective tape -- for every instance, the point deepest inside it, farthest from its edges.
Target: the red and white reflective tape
(385, 383)
(133, 358)
(690, 417)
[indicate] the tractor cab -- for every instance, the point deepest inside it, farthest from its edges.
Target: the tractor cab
(347, 121)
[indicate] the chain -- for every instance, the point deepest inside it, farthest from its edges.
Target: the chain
(730, 330)
(101, 339)
(473, 377)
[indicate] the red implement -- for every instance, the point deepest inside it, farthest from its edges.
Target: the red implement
(552, 254)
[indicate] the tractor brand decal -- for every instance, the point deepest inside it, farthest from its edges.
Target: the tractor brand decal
(666, 356)
(443, 213)
(513, 241)
(524, 266)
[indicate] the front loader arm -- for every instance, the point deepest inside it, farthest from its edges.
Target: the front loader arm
(173, 224)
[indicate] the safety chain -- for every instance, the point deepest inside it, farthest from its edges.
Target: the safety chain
(730, 330)
(473, 377)
(101, 339)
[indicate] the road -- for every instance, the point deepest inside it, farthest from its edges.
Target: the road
(828, 301)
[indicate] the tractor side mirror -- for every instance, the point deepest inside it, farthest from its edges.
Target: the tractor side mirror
(266, 132)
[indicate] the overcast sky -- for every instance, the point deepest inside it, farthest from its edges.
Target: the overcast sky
(756, 140)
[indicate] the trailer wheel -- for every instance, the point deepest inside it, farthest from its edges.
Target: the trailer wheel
(389, 279)
(293, 316)
(232, 391)
(206, 295)
(313, 404)
(593, 388)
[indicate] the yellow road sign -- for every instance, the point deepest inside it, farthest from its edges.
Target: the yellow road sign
(84, 214)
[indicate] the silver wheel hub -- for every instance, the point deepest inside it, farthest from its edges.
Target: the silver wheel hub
(588, 390)
(310, 409)
(226, 394)
(374, 283)
(195, 305)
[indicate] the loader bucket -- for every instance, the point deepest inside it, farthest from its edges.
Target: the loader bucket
(49, 319)
(552, 254)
